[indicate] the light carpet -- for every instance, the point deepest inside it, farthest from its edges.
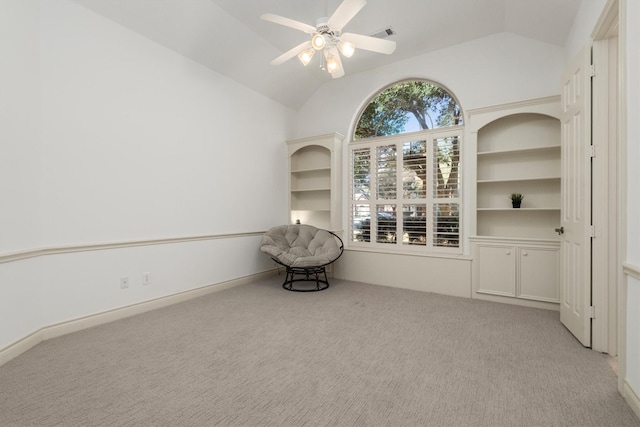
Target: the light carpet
(353, 355)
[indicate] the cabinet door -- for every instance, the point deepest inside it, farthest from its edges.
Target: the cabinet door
(495, 269)
(539, 273)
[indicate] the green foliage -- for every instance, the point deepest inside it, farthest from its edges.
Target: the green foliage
(389, 111)
(377, 120)
(516, 197)
(362, 173)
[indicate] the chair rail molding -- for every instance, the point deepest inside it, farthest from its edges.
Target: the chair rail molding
(631, 270)
(86, 247)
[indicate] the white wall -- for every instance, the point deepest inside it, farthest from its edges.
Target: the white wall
(140, 142)
(492, 70)
(109, 137)
(632, 72)
(20, 171)
(19, 126)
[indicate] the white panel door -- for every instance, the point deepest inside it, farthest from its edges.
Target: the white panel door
(575, 246)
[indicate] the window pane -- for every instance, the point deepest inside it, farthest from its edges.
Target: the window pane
(414, 175)
(386, 172)
(408, 106)
(386, 229)
(446, 225)
(360, 223)
(447, 167)
(361, 174)
(414, 220)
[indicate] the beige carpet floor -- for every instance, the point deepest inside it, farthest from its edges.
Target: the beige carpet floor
(353, 355)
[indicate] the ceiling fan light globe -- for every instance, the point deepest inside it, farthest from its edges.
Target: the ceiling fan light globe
(332, 64)
(305, 56)
(347, 48)
(318, 41)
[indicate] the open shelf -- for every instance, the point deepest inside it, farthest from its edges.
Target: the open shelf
(309, 171)
(533, 178)
(524, 223)
(518, 209)
(516, 151)
(314, 171)
(519, 153)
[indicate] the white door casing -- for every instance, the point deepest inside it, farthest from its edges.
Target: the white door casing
(575, 245)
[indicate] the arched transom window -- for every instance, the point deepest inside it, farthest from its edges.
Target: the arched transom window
(405, 155)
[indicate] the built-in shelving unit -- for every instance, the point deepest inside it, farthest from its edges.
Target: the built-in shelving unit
(314, 170)
(516, 250)
(518, 153)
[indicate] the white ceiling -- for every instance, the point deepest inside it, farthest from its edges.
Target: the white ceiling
(229, 37)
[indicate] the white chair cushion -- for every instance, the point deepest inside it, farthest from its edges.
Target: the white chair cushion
(300, 245)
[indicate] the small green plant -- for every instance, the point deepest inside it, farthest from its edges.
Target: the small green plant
(516, 199)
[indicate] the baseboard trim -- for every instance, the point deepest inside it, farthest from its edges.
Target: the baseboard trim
(75, 325)
(16, 349)
(632, 398)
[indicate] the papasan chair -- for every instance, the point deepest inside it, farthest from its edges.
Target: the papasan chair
(304, 251)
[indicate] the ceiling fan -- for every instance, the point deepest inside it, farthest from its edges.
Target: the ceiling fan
(328, 37)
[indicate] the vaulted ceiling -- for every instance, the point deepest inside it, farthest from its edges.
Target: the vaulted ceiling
(229, 37)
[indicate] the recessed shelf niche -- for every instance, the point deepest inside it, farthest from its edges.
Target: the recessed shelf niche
(314, 169)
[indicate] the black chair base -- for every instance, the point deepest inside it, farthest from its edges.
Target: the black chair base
(314, 277)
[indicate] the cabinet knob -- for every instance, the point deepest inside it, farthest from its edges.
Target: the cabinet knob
(508, 252)
(524, 253)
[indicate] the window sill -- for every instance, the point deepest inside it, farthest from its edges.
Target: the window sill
(446, 255)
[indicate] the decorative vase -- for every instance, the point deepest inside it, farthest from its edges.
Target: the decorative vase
(515, 204)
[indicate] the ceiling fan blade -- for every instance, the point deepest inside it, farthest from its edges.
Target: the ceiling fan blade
(344, 13)
(291, 23)
(291, 53)
(373, 44)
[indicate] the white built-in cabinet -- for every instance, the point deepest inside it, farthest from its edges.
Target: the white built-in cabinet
(516, 268)
(516, 251)
(314, 181)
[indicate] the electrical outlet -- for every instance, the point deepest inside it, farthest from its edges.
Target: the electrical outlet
(124, 282)
(146, 278)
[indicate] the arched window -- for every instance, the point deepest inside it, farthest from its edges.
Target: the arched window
(405, 158)
(408, 106)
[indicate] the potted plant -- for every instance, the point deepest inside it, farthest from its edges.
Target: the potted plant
(516, 199)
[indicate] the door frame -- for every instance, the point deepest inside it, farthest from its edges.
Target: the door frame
(606, 182)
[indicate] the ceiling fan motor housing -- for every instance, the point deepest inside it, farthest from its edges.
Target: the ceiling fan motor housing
(323, 28)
